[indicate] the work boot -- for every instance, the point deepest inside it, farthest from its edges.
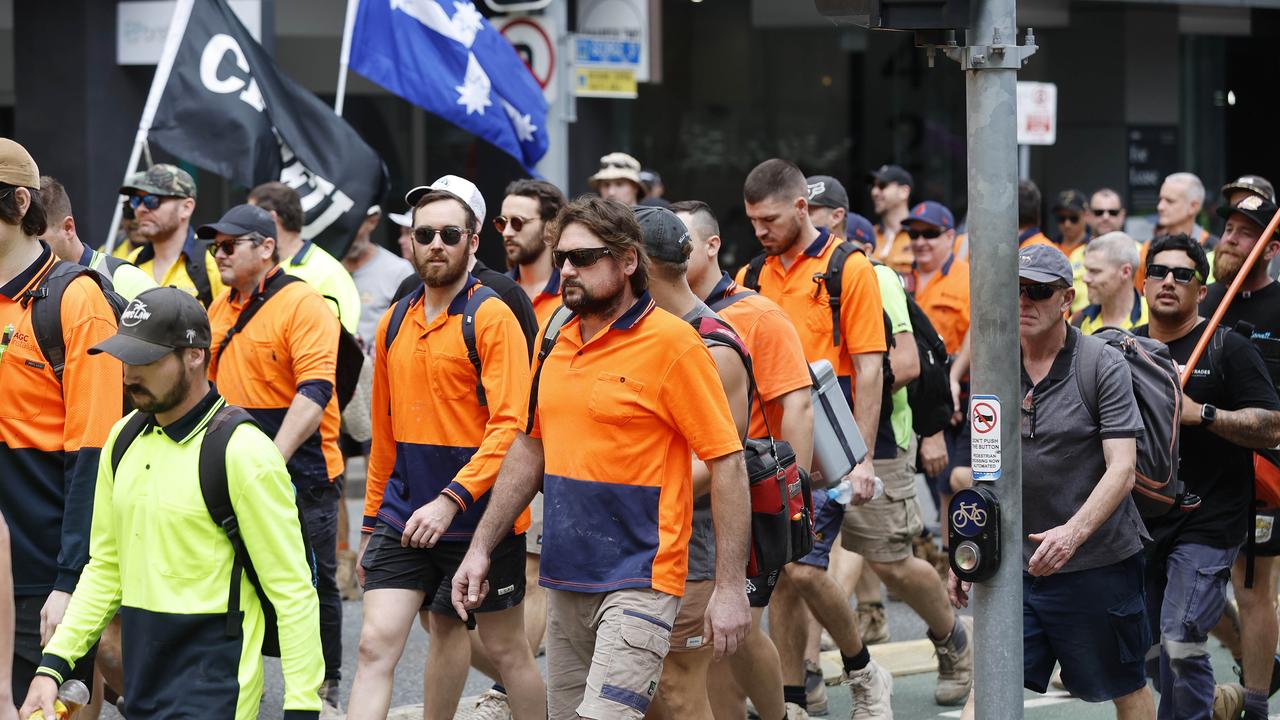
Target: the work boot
(795, 712)
(871, 688)
(955, 664)
(491, 705)
(348, 581)
(872, 626)
(329, 709)
(1228, 701)
(815, 690)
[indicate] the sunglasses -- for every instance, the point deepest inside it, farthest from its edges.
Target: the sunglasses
(880, 184)
(227, 247)
(150, 202)
(580, 258)
(1181, 275)
(1073, 219)
(517, 222)
(1113, 212)
(1037, 291)
(451, 234)
(931, 234)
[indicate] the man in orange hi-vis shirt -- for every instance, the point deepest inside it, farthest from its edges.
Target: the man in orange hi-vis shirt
(624, 395)
(442, 423)
(53, 419)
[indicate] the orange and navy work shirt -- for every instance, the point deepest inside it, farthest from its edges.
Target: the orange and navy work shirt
(945, 299)
(777, 357)
(431, 436)
(618, 416)
(807, 304)
(547, 299)
(895, 252)
(51, 434)
(1033, 236)
(291, 341)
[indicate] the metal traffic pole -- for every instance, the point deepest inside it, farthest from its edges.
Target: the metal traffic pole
(990, 61)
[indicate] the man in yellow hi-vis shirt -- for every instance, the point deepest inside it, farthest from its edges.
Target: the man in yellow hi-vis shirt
(193, 624)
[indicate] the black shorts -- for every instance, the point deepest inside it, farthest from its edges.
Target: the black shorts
(27, 651)
(760, 589)
(387, 565)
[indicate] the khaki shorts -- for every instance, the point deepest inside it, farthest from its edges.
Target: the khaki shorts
(534, 533)
(882, 529)
(605, 651)
(687, 635)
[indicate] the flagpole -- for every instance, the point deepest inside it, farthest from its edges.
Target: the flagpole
(172, 41)
(344, 58)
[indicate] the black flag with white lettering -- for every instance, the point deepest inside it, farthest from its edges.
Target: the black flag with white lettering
(229, 109)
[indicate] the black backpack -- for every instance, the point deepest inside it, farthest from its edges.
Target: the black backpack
(481, 293)
(930, 393)
(45, 300)
(213, 488)
(350, 357)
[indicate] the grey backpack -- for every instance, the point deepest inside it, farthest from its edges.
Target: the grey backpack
(1157, 488)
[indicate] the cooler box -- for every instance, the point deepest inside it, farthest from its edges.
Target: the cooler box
(837, 444)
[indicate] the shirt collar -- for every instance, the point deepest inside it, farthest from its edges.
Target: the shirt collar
(1062, 362)
(192, 247)
(182, 429)
(86, 257)
(553, 282)
(1135, 315)
(637, 312)
(19, 283)
(816, 247)
(723, 289)
(235, 298)
(459, 302)
(301, 256)
(1028, 233)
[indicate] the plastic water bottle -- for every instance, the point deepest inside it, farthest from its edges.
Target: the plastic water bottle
(843, 492)
(72, 696)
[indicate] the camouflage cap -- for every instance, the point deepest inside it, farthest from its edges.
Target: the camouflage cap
(163, 179)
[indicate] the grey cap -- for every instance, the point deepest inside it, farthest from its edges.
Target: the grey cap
(1044, 264)
(826, 191)
(154, 323)
(240, 220)
(665, 237)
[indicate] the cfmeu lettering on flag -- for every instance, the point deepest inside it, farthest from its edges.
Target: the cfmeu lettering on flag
(312, 188)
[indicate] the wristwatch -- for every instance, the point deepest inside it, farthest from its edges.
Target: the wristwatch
(1208, 414)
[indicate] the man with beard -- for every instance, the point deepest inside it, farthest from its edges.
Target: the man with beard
(1106, 212)
(1255, 311)
(433, 464)
(526, 210)
(159, 557)
(276, 357)
(621, 399)
(890, 197)
(163, 199)
(1229, 407)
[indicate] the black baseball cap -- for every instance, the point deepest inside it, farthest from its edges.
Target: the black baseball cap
(826, 191)
(240, 220)
(156, 323)
(891, 173)
(1255, 207)
(1255, 184)
(665, 236)
(1071, 201)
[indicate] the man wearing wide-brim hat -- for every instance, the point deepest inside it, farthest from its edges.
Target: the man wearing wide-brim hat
(618, 179)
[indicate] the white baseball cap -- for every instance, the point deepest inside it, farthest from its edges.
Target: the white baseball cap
(461, 188)
(401, 219)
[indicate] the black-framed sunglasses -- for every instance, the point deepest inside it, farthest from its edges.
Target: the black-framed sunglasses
(228, 247)
(149, 201)
(880, 184)
(930, 234)
(517, 222)
(580, 258)
(1113, 212)
(450, 234)
(1037, 291)
(1181, 275)
(1073, 219)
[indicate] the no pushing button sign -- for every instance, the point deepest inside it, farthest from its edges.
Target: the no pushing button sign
(984, 425)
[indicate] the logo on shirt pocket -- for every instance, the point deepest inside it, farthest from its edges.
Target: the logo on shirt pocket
(614, 398)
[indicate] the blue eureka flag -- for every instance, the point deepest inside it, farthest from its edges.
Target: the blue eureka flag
(447, 58)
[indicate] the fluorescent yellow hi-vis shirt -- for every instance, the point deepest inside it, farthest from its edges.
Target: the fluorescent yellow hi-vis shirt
(157, 556)
(322, 271)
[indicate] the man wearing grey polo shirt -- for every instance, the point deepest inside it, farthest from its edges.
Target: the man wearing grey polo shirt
(1082, 589)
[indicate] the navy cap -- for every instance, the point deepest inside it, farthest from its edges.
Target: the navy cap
(240, 220)
(932, 213)
(891, 173)
(826, 191)
(665, 237)
(860, 230)
(1044, 264)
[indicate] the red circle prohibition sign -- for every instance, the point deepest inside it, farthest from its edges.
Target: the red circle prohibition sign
(984, 422)
(551, 49)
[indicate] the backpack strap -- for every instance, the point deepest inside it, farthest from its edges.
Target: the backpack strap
(751, 279)
(717, 332)
(474, 301)
(833, 281)
(199, 274)
(274, 285)
(46, 317)
(398, 312)
(133, 427)
(1087, 359)
(550, 334)
(217, 499)
(725, 301)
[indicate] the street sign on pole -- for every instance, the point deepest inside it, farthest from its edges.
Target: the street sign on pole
(1037, 113)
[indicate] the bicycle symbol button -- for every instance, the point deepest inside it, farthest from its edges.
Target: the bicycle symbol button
(966, 514)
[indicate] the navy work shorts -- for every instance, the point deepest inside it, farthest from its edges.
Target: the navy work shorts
(826, 526)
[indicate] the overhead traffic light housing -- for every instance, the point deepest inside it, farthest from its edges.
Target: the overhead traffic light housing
(898, 14)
